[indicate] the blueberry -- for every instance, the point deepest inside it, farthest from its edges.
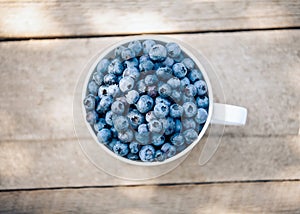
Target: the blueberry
(181, 148)
(176, 111)
(159, 155)
(194, 75)
(158, 140)
(168, 62)
(179, 70)
(188, 63)
(145, 63)
(201, 116)
(134, 147)
(157, 65)
(133, 62)
(173, 49)
(104, 136)
(122, 99)
(190, 135)
(143, 129)
(162, 100)
(150, 116)
(135, 118)
(174, 82)
(186, 99)
(201, 87)
(118, 107)
(184, 82)
(136, 46)
(131, 156)
(161, 110)
(178, 126)
(98, 78)
(104, 104)
(127, 53)
(202, 102)
(169, 150)
(155, 126)
(190, 90)
(132, 96)
(147, 44)
(112, 143)
(102, 66)
(189, 109)
(165, 90)
(126, 84)
(147, 153)
(121, 148)
(188, 124)
(158, 52)
(113, 90)
(103, 91)
(91, 117)
(164, 73)
(152, 91)
(132, 72)
(179, 58)
(93, 87)
(176, 96)
(142, 138)
(141, 86)
(121, 123)
(177, 139)
(125, 136)
(119, 50)
(89, 102)
(115, 67)
(168, 125)
(110, 117)
(144, 104)
(114, 132)
(99, 125)
(151, 79)
(110, 79)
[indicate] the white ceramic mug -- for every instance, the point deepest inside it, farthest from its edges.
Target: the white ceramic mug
(217, 113)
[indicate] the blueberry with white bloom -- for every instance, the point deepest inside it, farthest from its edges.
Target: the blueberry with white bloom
(144, 104)
(110, 117)
(168, 62)
(161, 110)
(136, 46)
(102, 66)
(133, 62)
(185, 99)
(158, 139)
(177, 139)
(168, 125)
(155, 126)
(135, 118)
(145, 63)
(113, 90)
(158, 52)
(99, 125)
(147, 45)
(176, 96)
(132, 72)
(112, 143)
(132, 96)
(173, 49)
(89, 102)
(194, 75)
(165, 90)
(127, 53)
(188, 124)
(174, 82)
(93, 87)
(125, 136)
(98, 78)
(202, 102)
(184, 82)
(189, 63)
(190, 135)
(201, 116)
(176, 111)
(104, 104)
(133, 157)
(104, 136)
(189, 109)
(168, 149)
(147, 153)
(118, 107)
(179, 58)
(143, 139)
(115, 67)
(110, 79)
(121, 123)
(121, 148)
(164, 73)
(134, 147)
(114, 132)
(126, 84)
(150, 116)
(143, 129)
(159, 155)
(151, 79)
(162, 100)
(178, 126)
(190, 90)
(201, 87)
(92, 117)
(152, 91)
(119, 50)
(103, 91)
(141, 86)
(179, 70)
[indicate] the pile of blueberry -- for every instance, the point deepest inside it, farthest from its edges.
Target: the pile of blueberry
(146, 101)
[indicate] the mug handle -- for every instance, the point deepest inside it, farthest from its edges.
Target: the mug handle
(228, 115)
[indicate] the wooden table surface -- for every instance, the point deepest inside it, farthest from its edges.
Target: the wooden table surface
(254, 47)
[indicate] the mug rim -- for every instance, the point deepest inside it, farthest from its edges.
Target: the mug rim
(190, 52)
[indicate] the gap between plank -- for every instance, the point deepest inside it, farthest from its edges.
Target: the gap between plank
(152, 185)
(13, 39)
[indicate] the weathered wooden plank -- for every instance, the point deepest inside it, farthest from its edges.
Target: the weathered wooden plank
(274, 197)
(29, 19)
(61, 164)
(259, 70)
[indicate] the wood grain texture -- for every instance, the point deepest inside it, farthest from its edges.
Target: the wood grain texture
(63, 164)
(243, 198)
(29, 19)
(258, 70)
